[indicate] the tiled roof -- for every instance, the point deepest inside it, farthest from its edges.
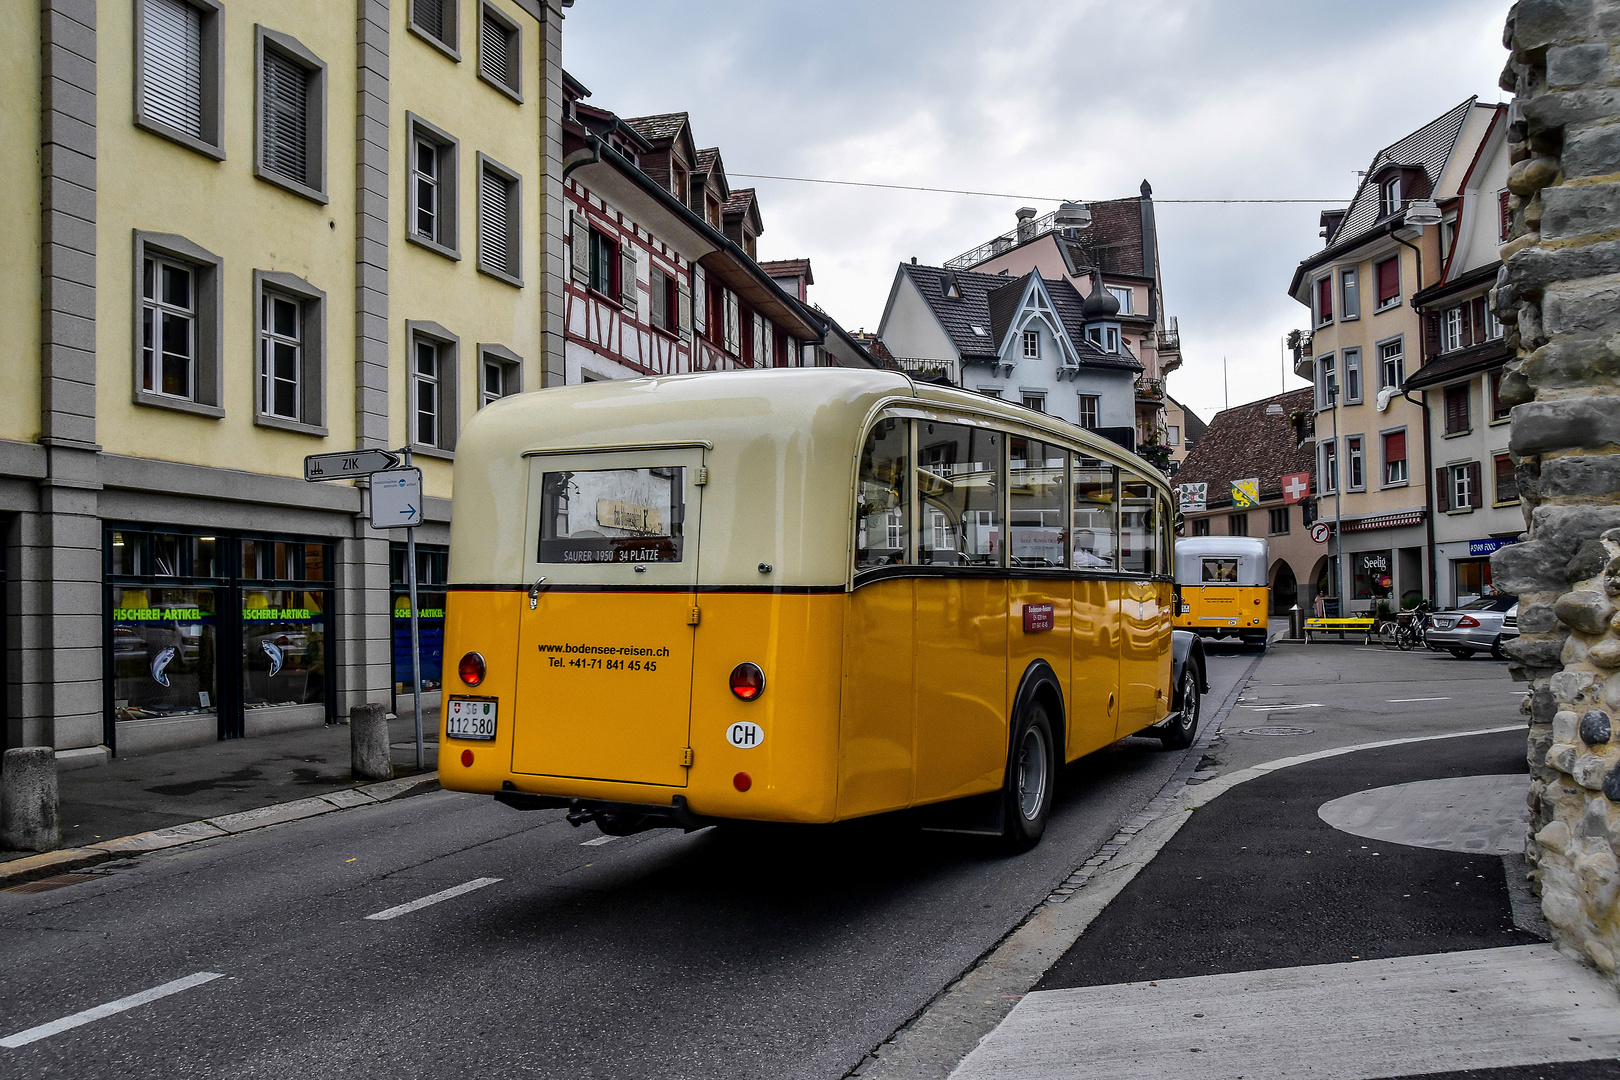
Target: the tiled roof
(1113, 240)
(1429, 146)
(1003, 305)
(659, 128)
(1455, 365)
(786, 268)
(707, 158)
(738, 203)
(1243, 441)
(1070, 305)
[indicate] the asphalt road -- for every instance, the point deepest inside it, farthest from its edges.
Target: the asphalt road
(776, 953)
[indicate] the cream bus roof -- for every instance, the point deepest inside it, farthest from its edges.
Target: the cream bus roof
(781, 447)
(1252, 553)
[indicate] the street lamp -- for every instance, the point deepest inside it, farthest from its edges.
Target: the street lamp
(1072, 215)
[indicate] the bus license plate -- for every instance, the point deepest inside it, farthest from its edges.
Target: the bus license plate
(470, 718)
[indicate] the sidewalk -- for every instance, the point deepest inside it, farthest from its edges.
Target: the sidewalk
(138, 795)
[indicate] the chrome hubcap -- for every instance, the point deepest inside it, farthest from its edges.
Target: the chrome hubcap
(1032, 774)
(1189, 703)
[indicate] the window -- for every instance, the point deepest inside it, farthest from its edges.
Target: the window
(292, 116)
(1493, 325)
(1278, 524)
(1123, 295)
(177, 325)
(1370, 574)
(431, 190)
(1395, 457)
(291, 353)
(1032, 344)
(179, 77)
(1451, 329)
(602, 256)
(961, 518)
(433, 351)
(647, 508)
(1457, 420)
(883, 497)
(1172, 434)
(1327, 467)
(1326, 382)
(1350, 294)
(1095, 520)
(1389, 282)
(990, 391)
(733, 323)
(1457, 487)
(1111, 339)
(1355, 477)
(500, 373)
(435, 22)
(1089, 404)
(1389, 197)
(1391, 365)
(1352, 376)
(1037, 529)
(1237, 524)
(1140, 543)
(1499, 411)
(500, 52)
(1507, 481)
(1200, 527)
(1324, 301)
(1035, 401)
(500, 230)
(664, 306)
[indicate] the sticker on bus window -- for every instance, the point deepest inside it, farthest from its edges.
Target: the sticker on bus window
(1221, 571)
(612, 516)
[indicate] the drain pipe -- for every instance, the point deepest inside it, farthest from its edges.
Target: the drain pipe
(1428, 475)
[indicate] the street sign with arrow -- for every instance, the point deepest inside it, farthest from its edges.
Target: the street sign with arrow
(396, 498)
(348, 464)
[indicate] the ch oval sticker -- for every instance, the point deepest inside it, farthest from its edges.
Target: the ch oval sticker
(744, 735)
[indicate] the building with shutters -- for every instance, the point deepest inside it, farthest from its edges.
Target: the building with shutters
(243, 233)
(1364, 342)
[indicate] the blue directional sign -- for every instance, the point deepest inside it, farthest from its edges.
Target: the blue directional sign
(396, 498)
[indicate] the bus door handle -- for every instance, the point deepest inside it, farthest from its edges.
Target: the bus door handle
(534, 593)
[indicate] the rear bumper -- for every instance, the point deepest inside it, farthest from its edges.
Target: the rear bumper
(633, 817)
(1476, 638)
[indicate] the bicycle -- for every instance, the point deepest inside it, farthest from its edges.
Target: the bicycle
(1407, 631)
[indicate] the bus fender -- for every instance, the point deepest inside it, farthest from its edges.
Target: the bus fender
(1185, 647)
(1040, 678)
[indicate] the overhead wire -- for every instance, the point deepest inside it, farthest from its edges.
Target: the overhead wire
(999, 194)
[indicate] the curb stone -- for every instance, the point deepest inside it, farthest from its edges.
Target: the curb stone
(50, 863)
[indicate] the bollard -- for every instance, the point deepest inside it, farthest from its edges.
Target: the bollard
(1296, 623)
(29, 820)
(369, 756)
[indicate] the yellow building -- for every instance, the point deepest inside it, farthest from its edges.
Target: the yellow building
(1365, 339)
(254, 230)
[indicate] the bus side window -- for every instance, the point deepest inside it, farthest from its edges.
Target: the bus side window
(882, 501)
(1096, 525)
(1140, 543)
(1038, 488)
(1167, 540)
(959, 480)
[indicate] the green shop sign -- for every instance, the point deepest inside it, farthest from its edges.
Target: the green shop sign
(270, 614)
(148, 614)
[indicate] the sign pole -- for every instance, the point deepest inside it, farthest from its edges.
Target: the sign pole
(416, 635)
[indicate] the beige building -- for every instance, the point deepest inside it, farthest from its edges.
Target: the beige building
(1365, 338)
(252, 232)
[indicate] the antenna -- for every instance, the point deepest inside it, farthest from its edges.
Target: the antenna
(1226, 391)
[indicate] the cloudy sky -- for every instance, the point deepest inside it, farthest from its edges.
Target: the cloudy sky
(1221, 99)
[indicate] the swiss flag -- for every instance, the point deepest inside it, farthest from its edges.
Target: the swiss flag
(1295, 486)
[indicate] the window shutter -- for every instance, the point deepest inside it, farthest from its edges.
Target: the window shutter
(1505, 226)
(495, 241)
(582, 250)
(1389, 281)
(627, 279)
(1474, 489)
(1431, 334)
(1477, 312)
(683, 303)
(171, 89)
(429, 15)
(731, 322)
(700, 301)
(1324, 300)
(286, 117)
(495, 52)
(1442, 489)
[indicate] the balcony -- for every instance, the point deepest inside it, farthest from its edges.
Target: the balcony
(927, 368)
(1028, 231)
(1169, 338)
(1149, 391)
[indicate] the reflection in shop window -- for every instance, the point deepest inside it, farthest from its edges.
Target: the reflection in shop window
(164, 658)
(283, 648)
(432, 568)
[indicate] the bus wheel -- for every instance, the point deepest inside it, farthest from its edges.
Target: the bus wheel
(1031, 776)
(1180, 734)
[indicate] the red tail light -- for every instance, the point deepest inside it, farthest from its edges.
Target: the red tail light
(471, 669)
(742, 781)
(1467, 622)
(747, 681)
(466, 758)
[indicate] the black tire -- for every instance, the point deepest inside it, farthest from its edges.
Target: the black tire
(1026, 800)
(1497, 652)
(1180, 734)
(1461, 654)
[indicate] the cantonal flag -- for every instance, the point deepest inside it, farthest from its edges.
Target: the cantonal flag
(1295, 486)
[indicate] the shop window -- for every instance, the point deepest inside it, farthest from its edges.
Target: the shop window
(1470, 579)
(164, 650)
(1371, 576)
(1139, 545)
(1096, 519)
(883, 511)
(1037, 532)
(959, 484)
(432, 576)
(1507, 481)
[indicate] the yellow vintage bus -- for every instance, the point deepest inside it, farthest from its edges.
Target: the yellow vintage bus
(1222, 587)
(799, 596)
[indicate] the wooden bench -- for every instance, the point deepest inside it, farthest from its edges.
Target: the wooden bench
(1341, 627)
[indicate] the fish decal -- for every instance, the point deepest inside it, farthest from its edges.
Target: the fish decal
(160, 663)
(273, 653)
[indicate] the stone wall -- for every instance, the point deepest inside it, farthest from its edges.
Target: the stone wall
(1559, 293)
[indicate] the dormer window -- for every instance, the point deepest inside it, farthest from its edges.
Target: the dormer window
(1389, 197)
(978, 330)
(952, 291)
(1111, 339)
(1032, 345)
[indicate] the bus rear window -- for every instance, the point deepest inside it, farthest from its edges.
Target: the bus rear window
(1221, 571)
(612, 516)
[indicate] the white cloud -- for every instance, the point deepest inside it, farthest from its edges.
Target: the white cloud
(1238, 99)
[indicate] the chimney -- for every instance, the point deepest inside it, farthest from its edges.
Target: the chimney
(1026, 223)
(914, 260)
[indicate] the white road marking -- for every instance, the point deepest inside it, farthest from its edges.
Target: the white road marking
(112, 1008)
(1310, 705)
(599, 841)
(433, 898)
(1403, 700)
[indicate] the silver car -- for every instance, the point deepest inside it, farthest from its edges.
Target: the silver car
(1477, 626)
